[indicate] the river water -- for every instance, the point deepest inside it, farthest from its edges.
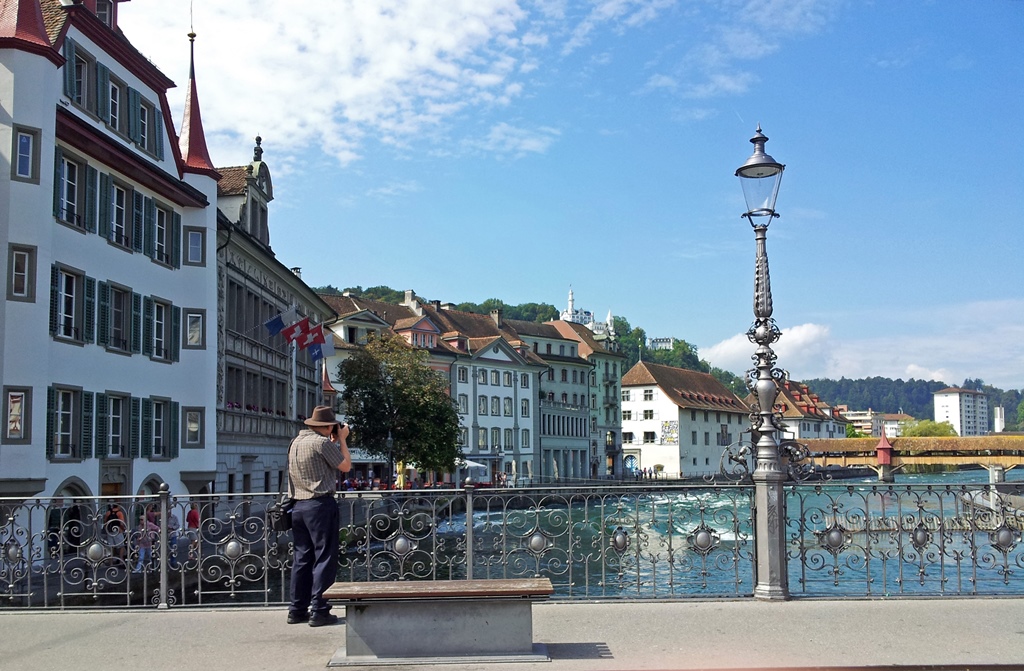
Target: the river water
(844, 538)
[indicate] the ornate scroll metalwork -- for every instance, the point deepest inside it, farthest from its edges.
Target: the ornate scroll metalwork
(611, 542)
(870, 540)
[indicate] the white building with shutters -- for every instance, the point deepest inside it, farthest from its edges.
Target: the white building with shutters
(108, 355)
(676, 423)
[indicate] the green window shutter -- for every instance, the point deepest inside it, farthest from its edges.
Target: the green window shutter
(134, 128)
(103, 332)
(147, 326)
(176, 239)
(136, 337)
(136, 438)
(54, 298)
(103, 92)
(102, 426)
(51, 408)
(58, 180)
(172, 449)
(91, 194)
(85, 440)
(106, 197)
(150, 226)
(138, 206)
(147, 427)
(90, 309)
(175, 336)
(69, 68)
(158, 127)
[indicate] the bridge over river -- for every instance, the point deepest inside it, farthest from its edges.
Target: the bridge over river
(885, 456)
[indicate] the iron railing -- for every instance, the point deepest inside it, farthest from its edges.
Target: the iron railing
(642, 541)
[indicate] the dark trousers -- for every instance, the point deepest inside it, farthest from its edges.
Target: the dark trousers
(315, 567)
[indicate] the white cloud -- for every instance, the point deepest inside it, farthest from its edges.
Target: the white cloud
(619, 13)
(395, 189)
(321, 73)
(506, 139)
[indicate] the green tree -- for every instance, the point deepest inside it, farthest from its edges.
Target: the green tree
(390, 390)
(631, 340)
(852, 432)
(732, 382)
(329, 290)
(927, 427)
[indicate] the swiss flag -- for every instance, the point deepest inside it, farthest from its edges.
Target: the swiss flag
(314, 336)
(296, 330)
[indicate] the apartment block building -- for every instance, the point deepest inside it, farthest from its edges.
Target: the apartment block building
(965, 409)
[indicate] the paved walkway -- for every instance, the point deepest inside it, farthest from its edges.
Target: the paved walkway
(946, 634)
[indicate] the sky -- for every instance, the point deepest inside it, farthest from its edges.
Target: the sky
(512, 149)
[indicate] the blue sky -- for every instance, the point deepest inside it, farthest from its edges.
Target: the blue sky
(513, 148)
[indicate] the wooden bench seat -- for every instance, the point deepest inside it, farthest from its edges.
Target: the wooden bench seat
(439, 621)
(439, 589)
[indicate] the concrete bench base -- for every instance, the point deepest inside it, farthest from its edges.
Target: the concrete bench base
(439, 622)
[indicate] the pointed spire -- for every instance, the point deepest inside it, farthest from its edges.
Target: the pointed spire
(192, 142)
(22, 27)
(883, 443)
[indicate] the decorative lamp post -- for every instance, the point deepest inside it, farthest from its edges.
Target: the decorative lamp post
(760, 177)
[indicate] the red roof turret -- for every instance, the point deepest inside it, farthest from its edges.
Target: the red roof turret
(194, 154)
(22, 27)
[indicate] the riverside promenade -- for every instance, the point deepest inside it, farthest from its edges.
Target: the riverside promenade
(936, 634)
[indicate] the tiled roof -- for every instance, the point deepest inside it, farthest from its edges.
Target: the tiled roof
(22, 20)
(584, 336)
(799, 402)
(232, 180)
(53, 18)
(685, 388)
(397, 316)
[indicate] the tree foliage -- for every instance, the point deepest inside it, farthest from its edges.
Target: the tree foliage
(927, 427)
(881, 394)
(389, 389)
(529, 312)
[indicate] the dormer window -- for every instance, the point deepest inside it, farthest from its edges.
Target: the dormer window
(105, 11)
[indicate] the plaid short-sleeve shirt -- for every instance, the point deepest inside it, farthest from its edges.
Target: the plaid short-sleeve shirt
(313, 462)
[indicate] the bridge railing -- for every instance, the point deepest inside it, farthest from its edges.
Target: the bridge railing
(638, 541)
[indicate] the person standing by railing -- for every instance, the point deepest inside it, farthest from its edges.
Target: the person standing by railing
(145, 535)
(314, 458)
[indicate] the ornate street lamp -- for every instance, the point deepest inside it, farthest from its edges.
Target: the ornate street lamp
(760, 177)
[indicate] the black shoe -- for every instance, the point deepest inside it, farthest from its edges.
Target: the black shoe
(322, 619)
(298, 618)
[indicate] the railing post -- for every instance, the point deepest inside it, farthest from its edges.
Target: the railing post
(165, 495)
(469, 528)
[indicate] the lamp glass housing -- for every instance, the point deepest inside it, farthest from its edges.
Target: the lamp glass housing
(760, 184)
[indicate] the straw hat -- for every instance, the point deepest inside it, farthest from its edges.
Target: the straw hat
(322, 416)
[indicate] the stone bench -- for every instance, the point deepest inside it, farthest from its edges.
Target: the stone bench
(439, 621)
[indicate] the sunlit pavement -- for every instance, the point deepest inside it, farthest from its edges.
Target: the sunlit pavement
(938, 634)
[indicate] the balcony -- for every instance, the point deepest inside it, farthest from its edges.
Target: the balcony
(256, 424)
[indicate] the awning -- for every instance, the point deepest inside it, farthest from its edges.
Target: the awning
(466, 463)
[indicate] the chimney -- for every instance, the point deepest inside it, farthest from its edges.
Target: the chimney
(496, 316)
(297, 272)
(436, 304)
(412, 303)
